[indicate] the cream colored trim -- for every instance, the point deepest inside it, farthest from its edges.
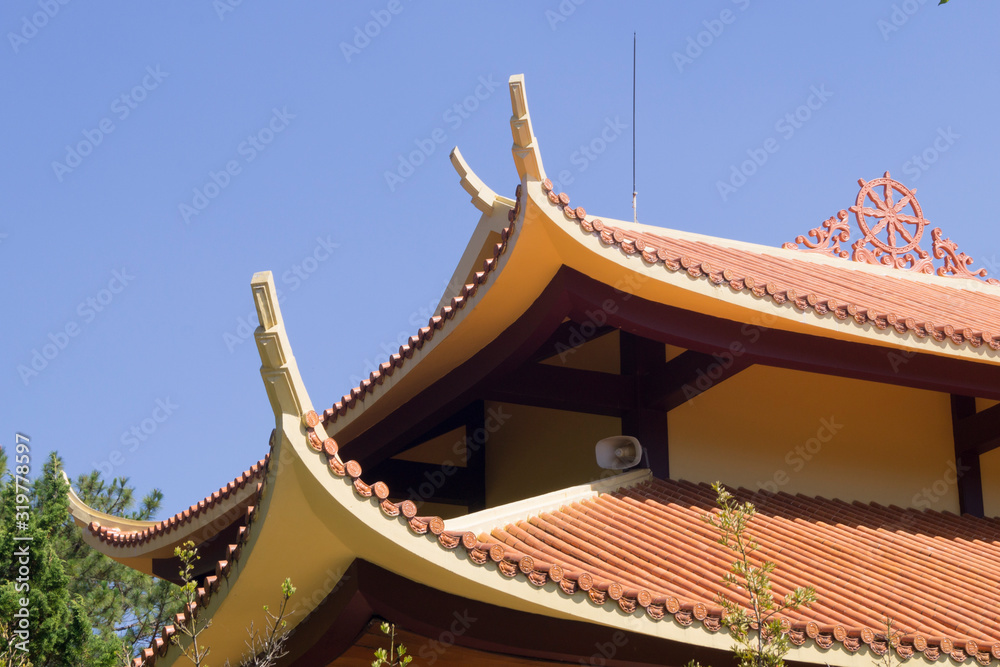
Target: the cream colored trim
(800, 256)
(84, 514)
(483, 198)
(527, 157)
(494, 210)
(390, 544)
(200, 528)
(586, 252)
(521, 510)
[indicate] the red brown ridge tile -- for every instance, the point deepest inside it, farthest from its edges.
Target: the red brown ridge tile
(353, 469)
(902, 303)
(608, 547)
(330, 447)
(160, 645)
(426, 333)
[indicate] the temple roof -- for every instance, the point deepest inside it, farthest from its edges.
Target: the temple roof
(645, 545)
(115, 532)
(633, 543)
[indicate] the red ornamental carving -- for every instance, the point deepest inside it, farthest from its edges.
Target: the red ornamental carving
(891, 230)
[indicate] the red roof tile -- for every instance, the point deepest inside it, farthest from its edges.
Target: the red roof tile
(436, 322)
(940, 310)
(119, 538)
(937, 575)
(210, 584)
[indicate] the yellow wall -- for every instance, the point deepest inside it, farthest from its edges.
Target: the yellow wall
(989, 464)
(763, 428)
(821, 436)
(597, 354)
(538, 450)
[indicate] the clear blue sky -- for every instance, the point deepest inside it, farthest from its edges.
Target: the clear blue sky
(95, 240)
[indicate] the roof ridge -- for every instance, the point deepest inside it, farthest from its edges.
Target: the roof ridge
(435, 323)
(119, 538)
(630, 242)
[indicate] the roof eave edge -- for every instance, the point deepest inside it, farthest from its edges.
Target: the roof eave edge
(520, 510)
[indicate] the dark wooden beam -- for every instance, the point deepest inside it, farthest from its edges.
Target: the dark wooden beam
(757, 344)
(505, 353)
(476, 437)
(562, 388)
(642, 360)
(690, 374)
(573, 294)
(367, 590)
(968, 472)
(978, 431)
(427, 482)
(458, 420)
(568, 337)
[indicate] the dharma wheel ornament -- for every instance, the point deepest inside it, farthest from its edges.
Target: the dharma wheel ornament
(891, 223)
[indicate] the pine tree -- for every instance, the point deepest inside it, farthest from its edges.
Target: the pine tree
(121, 601)
(31, 569)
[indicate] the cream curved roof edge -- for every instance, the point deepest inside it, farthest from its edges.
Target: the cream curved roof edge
(527, 157)
(808, 257)
(84, 514)
(483, 197)
(523, 509)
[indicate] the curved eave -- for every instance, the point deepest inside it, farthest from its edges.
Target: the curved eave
(137, 543)
(546, 234)
(607, 252)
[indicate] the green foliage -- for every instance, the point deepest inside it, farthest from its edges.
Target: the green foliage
(122, 602)
(187, 553)
(756, 628)
(891, 639)
(264, 649)
(60, 628)
(396, 656)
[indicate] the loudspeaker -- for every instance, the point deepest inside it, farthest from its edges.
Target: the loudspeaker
(618, 452)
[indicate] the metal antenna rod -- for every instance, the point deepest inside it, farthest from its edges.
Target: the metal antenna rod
(635, 217)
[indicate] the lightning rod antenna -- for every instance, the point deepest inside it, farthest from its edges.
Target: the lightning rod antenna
(635, 217)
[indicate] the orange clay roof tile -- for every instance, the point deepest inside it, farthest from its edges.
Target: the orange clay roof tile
(936, 574)
(922, 309)
(160, 645)
(118, 538)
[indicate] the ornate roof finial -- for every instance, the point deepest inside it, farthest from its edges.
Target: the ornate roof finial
(891, 232)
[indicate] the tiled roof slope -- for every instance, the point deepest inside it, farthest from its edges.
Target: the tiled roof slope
(935, 574)
(940, 309)
(118, 538)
